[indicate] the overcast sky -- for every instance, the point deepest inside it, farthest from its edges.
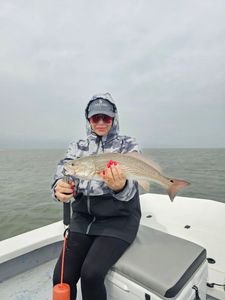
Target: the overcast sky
(162, 61)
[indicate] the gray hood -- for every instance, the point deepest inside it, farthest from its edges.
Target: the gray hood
(114, 131)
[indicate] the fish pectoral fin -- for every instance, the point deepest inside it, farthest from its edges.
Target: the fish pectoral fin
(145, 184)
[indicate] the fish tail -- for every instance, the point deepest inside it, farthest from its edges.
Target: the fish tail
(176, 185)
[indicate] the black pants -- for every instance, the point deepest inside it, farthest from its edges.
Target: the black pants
(89, 258)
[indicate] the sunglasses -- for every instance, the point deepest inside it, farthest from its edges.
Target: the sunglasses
(104, 118)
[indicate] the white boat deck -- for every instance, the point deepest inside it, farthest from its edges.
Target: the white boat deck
(205, 217)
(34, 284)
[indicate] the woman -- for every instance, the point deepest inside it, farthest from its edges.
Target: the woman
(106, 214)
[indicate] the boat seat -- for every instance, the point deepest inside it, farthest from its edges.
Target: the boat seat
(160, 262)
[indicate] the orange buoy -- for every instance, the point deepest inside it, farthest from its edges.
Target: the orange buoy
(61, 291)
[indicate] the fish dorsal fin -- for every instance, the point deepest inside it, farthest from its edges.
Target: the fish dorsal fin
(141, 157)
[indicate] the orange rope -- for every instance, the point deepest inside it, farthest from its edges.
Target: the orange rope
(63, 257)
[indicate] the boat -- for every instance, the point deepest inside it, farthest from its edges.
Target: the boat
(179, 253)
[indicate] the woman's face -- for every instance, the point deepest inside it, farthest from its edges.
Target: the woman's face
(101, 124)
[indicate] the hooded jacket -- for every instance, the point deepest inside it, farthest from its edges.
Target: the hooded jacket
(97, 210)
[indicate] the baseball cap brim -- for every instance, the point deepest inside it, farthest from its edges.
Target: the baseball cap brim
(92, 113)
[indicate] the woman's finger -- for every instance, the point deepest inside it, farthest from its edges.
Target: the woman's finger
(66, 190)
(63, 197)
(108, 175)
(115, 173)
(101, 174)
(120, 173)
(63, 184)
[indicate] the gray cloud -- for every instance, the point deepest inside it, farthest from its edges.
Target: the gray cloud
(163, 61)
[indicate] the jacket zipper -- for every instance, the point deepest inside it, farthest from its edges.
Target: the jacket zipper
(89, 225)
(88, 198)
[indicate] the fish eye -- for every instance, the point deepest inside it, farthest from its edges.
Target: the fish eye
(72, 164)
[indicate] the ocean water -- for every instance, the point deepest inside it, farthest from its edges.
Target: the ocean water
(26, 177)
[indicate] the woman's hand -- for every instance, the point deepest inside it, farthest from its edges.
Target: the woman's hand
(63, 190)
(113, 176)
